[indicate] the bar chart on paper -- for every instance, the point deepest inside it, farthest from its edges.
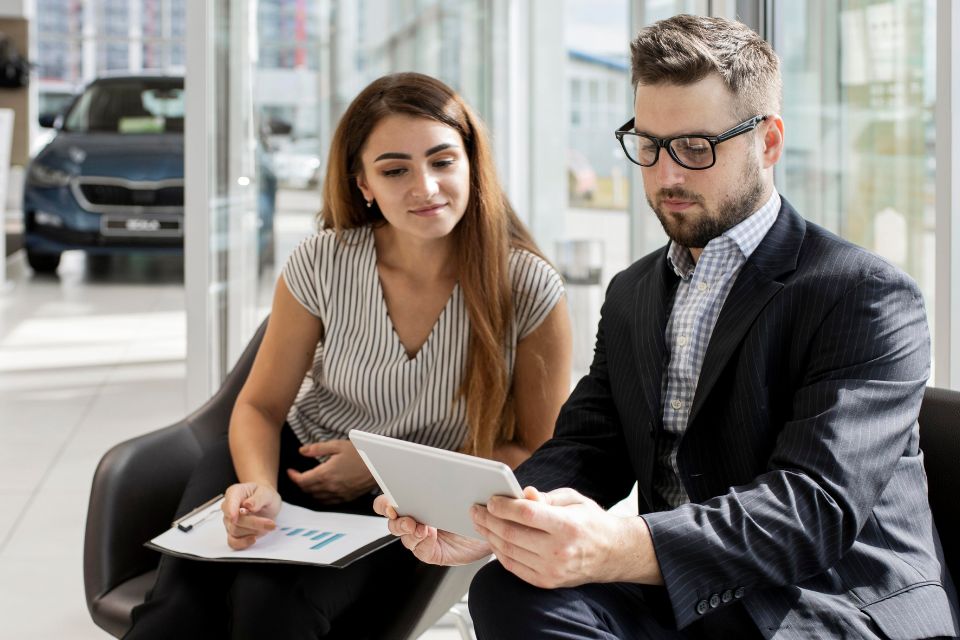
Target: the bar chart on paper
(315, 539)
(301, 535)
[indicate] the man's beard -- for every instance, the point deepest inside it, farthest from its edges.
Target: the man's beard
(695, 231)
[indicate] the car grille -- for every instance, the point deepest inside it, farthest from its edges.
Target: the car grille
(114, 195)
(105, 194)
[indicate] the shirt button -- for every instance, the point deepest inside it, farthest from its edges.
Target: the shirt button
(676, 404)
(714, 601)
(682, 341)
(738, 593)
(727, 596)
(703, 286)
(702, 607)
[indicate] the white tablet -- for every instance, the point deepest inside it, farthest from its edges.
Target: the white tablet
(434, 486)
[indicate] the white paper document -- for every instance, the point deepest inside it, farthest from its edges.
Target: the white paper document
(302, 536)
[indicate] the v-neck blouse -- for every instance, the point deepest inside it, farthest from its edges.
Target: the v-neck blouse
(361, 376)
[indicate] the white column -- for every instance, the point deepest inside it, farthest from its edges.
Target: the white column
(203, 374)
(241, 225)
(324, 88)
(947, 127)
(88, 65)
(546, 123)
(135, 33)
(509, 104)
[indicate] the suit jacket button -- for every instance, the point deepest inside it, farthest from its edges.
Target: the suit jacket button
(714, 601)
(738, 593)
(727, 596)
(702, 607)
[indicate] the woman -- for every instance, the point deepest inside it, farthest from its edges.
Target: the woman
(423, 311)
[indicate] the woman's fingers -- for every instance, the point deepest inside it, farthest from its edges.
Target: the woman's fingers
(239, 543)
(234, 497)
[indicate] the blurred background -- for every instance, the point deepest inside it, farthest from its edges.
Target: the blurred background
(166, 156)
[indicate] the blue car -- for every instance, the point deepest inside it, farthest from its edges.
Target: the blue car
(111, 180)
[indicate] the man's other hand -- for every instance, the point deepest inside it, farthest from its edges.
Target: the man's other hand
(564, 539)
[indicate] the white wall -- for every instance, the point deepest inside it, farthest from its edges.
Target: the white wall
(16, 8)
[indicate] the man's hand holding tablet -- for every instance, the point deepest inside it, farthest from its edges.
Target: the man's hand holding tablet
(556, 539)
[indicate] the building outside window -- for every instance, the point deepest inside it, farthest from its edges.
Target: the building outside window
(81, 39)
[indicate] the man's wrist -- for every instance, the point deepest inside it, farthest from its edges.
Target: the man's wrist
(633, 558)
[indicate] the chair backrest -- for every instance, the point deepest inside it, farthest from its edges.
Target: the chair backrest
(940, 442)
(136, 489)
(211, 420)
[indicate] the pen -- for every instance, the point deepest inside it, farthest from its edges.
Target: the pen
(187, 527)
(181, 522)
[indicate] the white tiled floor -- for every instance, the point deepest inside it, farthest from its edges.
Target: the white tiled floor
(86, 361)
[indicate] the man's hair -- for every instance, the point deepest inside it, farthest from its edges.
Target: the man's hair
(685, 49)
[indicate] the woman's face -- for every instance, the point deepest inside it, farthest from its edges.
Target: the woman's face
(417, 172)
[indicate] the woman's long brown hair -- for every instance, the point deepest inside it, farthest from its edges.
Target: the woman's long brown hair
(484, 236)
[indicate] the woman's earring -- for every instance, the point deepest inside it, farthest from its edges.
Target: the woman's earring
(369, 203)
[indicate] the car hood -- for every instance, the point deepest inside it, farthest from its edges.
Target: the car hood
(128, 156)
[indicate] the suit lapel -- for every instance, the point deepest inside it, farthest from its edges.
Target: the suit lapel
(653, 293)
(755, 286)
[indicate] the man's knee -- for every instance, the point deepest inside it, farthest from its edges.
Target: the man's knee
(498, 597)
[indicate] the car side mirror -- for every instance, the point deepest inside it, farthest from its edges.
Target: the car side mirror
(48, 120)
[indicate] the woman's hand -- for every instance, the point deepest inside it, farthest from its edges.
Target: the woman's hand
(342, 477)
(429, 544)
(249, 510)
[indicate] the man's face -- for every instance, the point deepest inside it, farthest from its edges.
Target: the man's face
(695, 206)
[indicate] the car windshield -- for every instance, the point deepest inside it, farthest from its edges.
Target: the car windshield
(135, 106)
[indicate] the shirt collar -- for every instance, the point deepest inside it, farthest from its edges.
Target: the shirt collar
(747, 235)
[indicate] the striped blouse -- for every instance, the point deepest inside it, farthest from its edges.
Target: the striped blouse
(361, 376)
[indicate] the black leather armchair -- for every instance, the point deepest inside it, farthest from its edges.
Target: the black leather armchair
(135, 493)
(940, 442)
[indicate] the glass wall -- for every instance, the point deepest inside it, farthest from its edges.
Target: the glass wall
(859, 91)
(552, 81)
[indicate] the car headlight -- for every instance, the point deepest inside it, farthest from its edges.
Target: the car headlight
(47, 219)
(44, 176)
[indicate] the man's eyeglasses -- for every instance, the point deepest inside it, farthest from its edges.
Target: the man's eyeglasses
(694, 151)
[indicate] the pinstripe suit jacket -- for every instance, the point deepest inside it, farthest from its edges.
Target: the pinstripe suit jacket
(801, 457)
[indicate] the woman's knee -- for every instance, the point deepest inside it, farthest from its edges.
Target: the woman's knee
(268, 601)
(259, 589)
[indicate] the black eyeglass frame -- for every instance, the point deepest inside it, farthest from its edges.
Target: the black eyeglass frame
(666, 143)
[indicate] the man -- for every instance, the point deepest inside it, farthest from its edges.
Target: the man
(758, 377)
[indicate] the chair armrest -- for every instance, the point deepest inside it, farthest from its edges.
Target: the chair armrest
(135, 493)
(435, 591)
